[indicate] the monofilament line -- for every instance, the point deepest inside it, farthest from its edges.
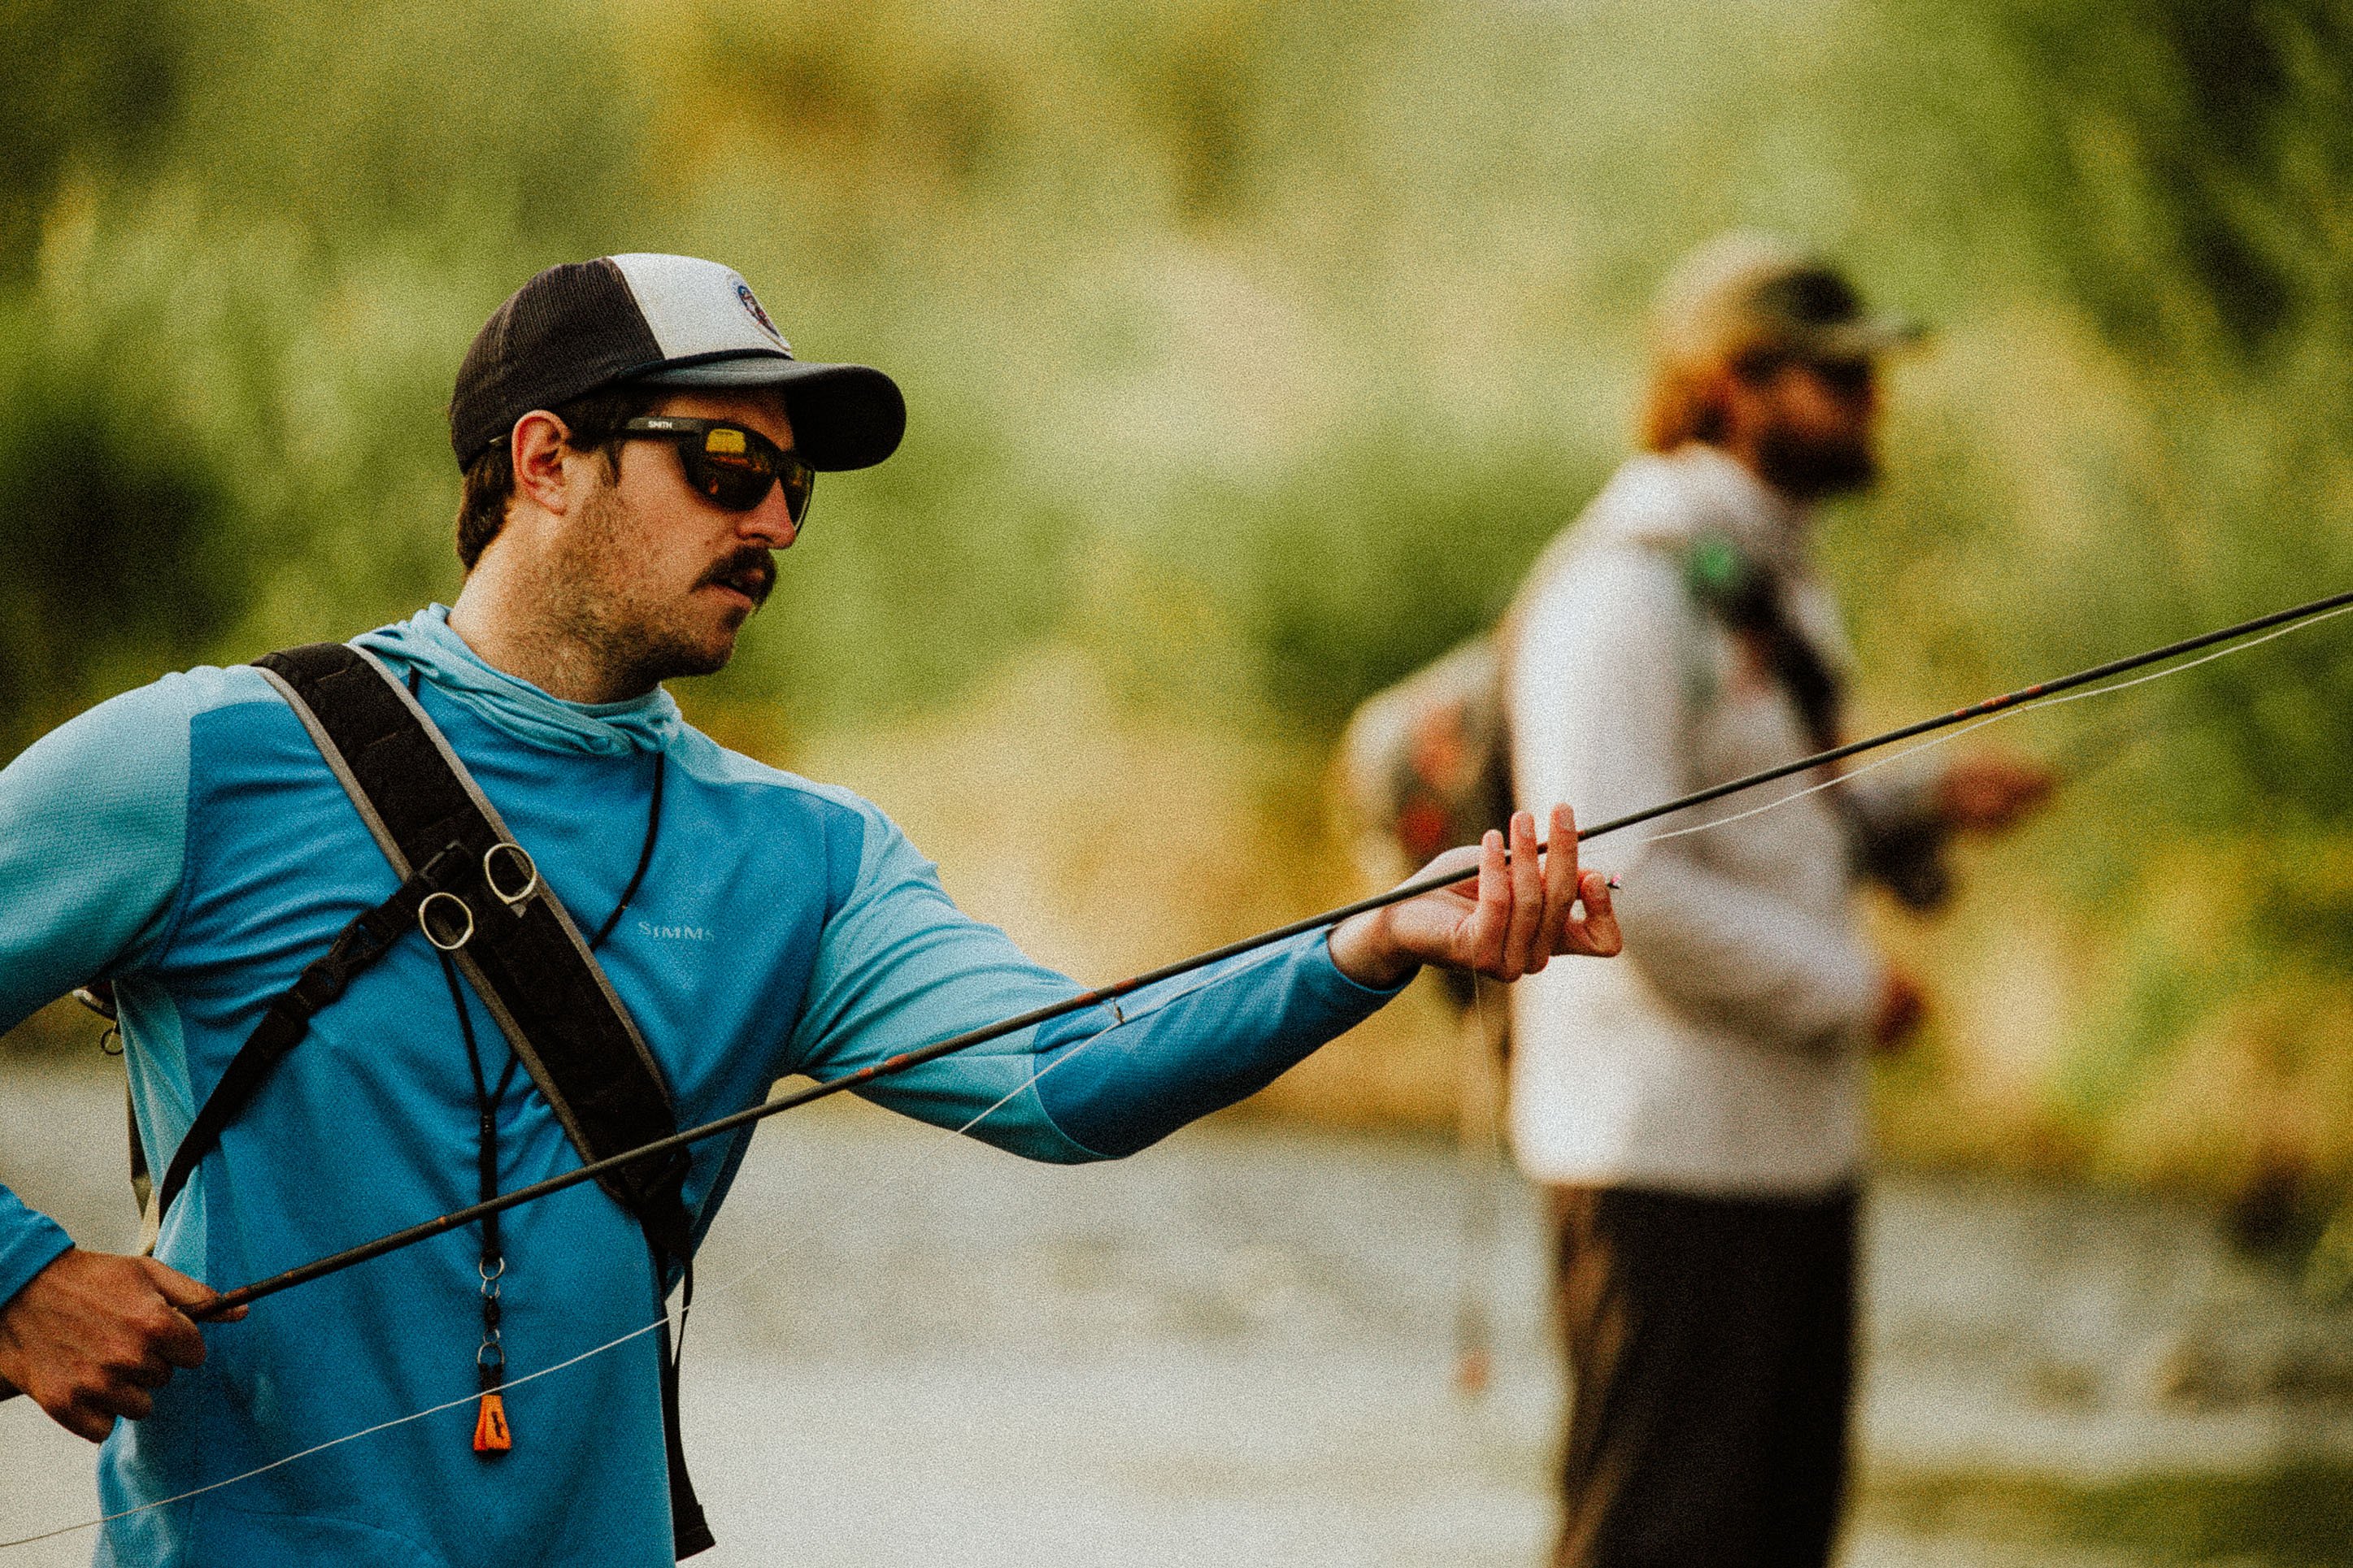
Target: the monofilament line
(1433, 882)
(2035, 705)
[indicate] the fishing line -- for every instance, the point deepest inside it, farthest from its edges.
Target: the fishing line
(1428, 883)
(1122, 1017)
(2035, 706)
(1479, 1162)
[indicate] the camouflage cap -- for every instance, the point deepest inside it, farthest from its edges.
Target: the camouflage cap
(1746, 292)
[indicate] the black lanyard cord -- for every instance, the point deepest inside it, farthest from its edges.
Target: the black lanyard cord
(645, 855)
(492, 1357)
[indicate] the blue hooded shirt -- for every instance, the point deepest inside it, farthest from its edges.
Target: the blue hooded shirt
(188, 842)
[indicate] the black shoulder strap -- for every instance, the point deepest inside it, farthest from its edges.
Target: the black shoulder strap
(1746, 596)
(477, 895)
(287, 1019)
(525, 957)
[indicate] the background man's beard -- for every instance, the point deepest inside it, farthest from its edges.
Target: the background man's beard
(1813, 470)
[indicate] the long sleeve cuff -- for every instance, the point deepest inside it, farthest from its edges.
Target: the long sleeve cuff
(29, 1242)
(1203, 1046)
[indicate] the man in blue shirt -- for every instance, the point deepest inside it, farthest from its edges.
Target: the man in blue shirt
(636, 442)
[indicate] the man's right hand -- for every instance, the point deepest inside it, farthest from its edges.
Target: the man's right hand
(94, 1332)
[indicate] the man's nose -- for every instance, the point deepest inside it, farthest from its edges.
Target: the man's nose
(770, 524)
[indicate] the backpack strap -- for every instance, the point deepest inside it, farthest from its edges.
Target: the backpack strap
(287, 1020)
(1744, 597)
(475, 895)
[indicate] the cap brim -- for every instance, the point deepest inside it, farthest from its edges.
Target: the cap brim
(1872, 335)
(844, 416)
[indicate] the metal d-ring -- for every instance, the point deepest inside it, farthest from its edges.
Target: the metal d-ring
(491, 864)
(425, 922)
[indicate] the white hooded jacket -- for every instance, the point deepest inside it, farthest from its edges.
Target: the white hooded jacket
(1722, 1054)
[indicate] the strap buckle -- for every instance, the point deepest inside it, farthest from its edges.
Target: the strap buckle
(516, 853)
(443, 938)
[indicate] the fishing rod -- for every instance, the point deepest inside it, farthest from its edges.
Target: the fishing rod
(907, 1060)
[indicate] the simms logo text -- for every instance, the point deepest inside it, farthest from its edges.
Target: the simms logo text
(676, 933)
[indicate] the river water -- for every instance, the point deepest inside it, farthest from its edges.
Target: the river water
(1238, 1348)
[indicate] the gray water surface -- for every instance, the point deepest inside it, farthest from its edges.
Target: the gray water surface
(1238, 1348)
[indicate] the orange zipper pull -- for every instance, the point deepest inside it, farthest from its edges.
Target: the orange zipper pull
(490, 1433)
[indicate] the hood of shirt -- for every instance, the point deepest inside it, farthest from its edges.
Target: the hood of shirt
(424, 643)
(1673, 498)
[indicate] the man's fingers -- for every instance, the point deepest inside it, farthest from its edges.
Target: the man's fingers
(1596, 935)
(93, 1333)
(153, 1372)
(1523, 932)
(1523, 908)
(120, 1398)
(180, 1342)
(174, 1334)
(1560, 881)
(176, 1287)
(1483, 932)
(85, 1422)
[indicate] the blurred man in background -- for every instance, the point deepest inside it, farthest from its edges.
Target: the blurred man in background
(1698, 1112)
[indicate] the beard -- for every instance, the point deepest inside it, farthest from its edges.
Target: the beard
(642, 636)
(1816, 470)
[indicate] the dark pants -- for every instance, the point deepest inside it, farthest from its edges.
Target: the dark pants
(1710, 1357)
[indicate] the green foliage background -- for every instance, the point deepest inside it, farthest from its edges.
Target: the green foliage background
(1253, 348)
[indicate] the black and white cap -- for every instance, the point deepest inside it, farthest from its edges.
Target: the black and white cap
(676, 321)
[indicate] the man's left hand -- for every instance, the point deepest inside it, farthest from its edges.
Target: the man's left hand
(1986, 794)
(1506, 921)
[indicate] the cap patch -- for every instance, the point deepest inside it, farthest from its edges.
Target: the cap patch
(750, 302)
(699, 309)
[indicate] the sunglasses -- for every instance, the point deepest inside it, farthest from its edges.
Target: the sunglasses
(1847, 377)
(729, 466)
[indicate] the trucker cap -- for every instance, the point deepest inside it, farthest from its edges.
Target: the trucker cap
(674, 321)
(1746, 292)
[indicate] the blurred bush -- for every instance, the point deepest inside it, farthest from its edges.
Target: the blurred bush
(1252, 349)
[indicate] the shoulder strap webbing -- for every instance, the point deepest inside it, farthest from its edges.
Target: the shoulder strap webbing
(287, 1020)
(1746, 596)
(477, 895)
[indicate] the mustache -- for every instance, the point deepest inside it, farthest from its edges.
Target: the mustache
(751, 571)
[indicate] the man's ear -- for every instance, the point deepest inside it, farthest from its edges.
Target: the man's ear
(537, 445)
